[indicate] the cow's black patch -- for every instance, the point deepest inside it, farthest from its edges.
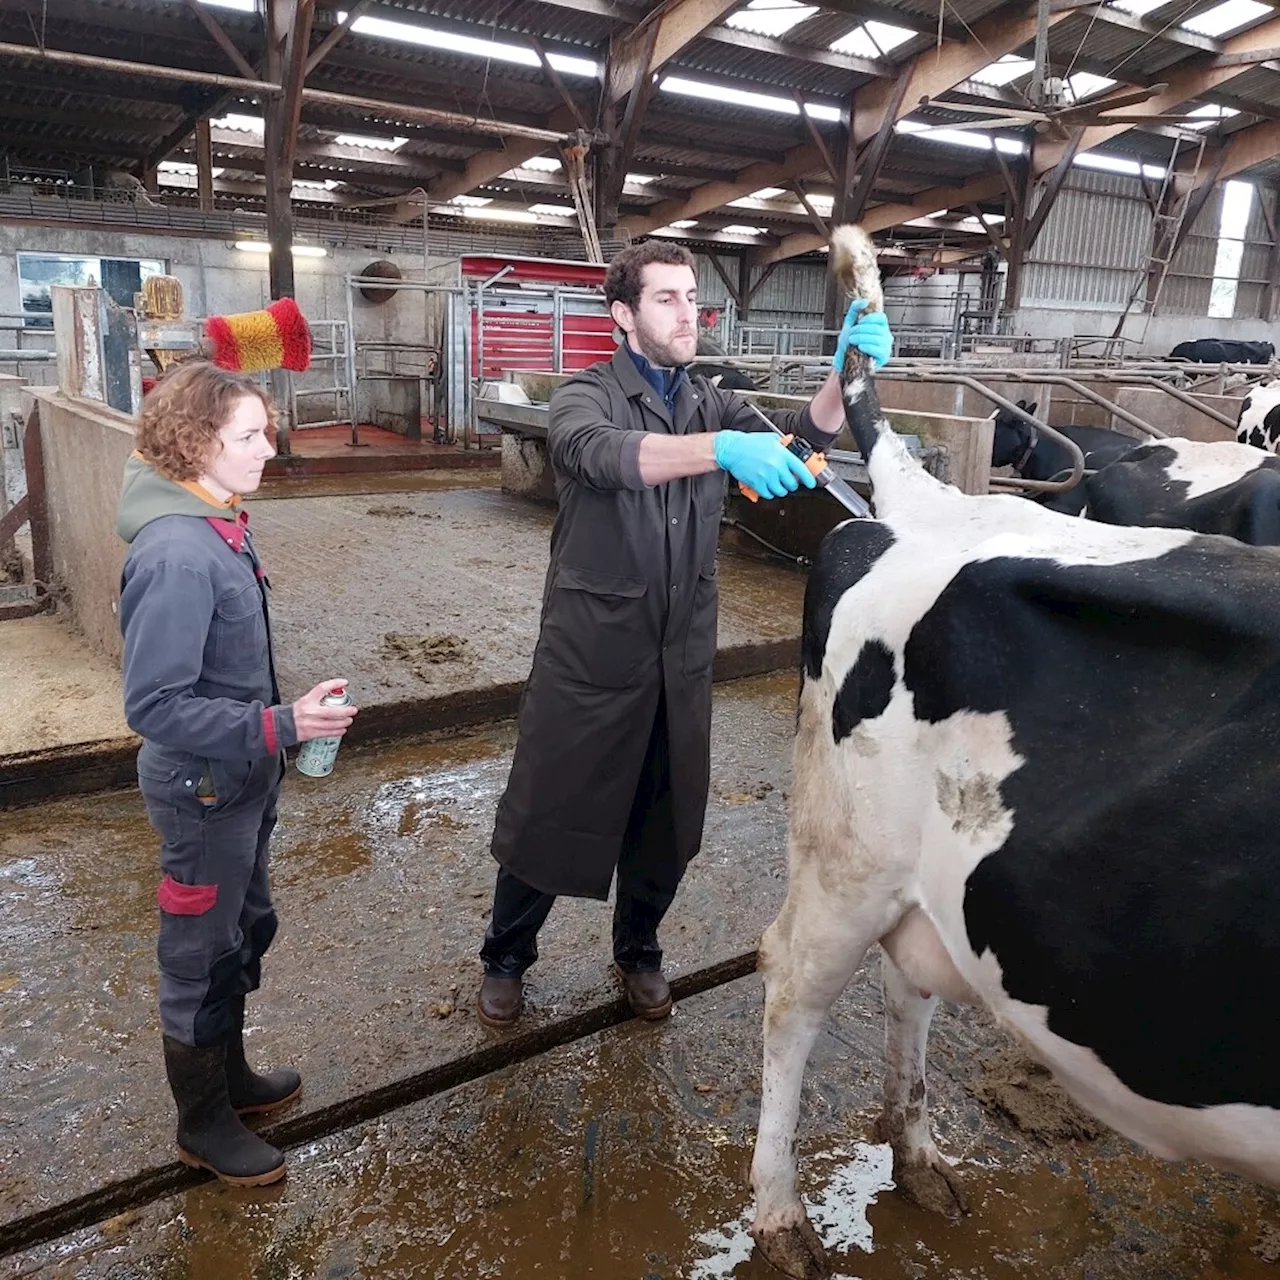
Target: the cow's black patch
(844, 558)
(1272, 422)
(1258, 438)
(1137, 895)
(1137, 490)
(866, 690)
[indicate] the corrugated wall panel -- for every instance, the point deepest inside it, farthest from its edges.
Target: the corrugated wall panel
(1094, 238)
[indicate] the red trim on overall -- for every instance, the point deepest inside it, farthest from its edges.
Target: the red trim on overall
(185, 899)
(269, 728)
(231, 531)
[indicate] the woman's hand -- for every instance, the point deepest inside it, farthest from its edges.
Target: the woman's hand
(313, 719)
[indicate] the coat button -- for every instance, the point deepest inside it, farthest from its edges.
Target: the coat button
(674, 588)
(675, 520)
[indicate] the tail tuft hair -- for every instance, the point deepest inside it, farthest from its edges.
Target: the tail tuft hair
(853, 263)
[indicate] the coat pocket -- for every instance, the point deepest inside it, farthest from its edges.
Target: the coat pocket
(700, 641)
(238, 632)
(596, 627)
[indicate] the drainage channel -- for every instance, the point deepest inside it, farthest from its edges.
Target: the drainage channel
(513, 1049)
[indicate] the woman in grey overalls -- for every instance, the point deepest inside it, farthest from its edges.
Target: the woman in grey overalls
(200, 689)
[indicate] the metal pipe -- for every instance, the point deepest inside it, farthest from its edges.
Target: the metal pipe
(480, 288)
(121, 67)
(1062, 380)
(431, 115)
(353, 396)
(1038, 486)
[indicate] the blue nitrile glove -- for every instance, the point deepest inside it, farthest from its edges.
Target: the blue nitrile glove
(869, 334)
(762, 462)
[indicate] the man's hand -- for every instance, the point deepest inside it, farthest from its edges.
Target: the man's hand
(312, 719)
(869, 334)
(762, 462)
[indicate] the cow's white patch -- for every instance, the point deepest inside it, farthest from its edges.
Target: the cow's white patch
(1208, 466)
(1261, 399)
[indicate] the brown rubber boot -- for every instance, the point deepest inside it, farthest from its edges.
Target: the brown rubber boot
(648, 994)
(210, 1134)
(501, 1001)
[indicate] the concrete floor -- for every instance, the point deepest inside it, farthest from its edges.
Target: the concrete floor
(427, 600)
(584, 1144)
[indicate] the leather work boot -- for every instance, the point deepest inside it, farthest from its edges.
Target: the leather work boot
(648, 994)
(210, 1134)
(501, 1000)
(249, 1092)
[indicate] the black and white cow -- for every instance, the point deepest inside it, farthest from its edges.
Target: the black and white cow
(1035, 760)
(1223, 351)
(1018, 445)
(1259, 420)
(1223, 487)
(726, 376)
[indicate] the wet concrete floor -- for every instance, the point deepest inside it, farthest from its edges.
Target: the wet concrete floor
(426, 599)
(621, 1153)
(624, 1155)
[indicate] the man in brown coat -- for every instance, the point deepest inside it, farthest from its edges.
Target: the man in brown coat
(612, 764)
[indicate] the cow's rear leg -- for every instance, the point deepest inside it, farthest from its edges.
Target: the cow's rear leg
(920, 1170)
(803, 976)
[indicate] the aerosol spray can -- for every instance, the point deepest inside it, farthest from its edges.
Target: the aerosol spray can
(316, 757)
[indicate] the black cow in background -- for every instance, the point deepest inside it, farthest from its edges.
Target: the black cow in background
(1223, 351)
(723, 375)
(1018, 445)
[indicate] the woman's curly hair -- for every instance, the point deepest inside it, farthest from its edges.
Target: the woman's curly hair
(185, 410)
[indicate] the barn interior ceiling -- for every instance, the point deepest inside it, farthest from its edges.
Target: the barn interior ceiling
(945, 126)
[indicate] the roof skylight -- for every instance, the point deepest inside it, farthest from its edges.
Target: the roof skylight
(452, 42)
(770, 17)
(1004, 70)
(1226, 17)
(369, 143)
(872, 40)
(745, 98)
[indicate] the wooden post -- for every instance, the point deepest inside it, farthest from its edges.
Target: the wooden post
(204, 165)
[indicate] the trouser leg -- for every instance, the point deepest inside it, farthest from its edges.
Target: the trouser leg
(511, 940)
(210, 862)
(649, 871)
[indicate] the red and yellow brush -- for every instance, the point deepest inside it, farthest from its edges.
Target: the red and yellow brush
(275, 338)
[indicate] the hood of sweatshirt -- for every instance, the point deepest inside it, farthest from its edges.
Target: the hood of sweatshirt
(147, 495)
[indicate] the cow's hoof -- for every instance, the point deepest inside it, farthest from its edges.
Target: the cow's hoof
(933, 1185)
(796, 1251)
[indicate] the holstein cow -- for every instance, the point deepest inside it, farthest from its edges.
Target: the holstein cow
(1259, 420)
(1019, 445)
(1223, 351)
(723, 375)
(1035, 759)
(1223, 487)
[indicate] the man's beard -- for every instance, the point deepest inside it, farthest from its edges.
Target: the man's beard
(657, 352)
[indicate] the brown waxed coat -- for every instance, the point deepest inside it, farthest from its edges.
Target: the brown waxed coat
(628, 613)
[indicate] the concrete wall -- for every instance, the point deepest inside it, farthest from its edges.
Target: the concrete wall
(218, 279)
(1163, 334)
(85, 449)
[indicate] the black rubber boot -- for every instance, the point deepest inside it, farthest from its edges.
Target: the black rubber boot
(249, 1092)
(210, 1134)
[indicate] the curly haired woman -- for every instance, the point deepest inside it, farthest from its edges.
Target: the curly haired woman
(200, 689)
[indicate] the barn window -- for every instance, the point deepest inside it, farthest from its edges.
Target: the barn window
(1237, 200)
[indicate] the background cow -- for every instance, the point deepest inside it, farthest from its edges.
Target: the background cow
(723, 375)
(1034, 759)
(1259, 420)
(1018, 445)
(1224, 488)
(1223, 351)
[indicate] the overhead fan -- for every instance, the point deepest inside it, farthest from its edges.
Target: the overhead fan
(1047, 99)
(1059, 119)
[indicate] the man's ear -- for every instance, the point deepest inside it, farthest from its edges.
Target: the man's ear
(622, 316)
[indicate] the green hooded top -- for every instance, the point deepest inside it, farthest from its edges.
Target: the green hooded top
(147, 495)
